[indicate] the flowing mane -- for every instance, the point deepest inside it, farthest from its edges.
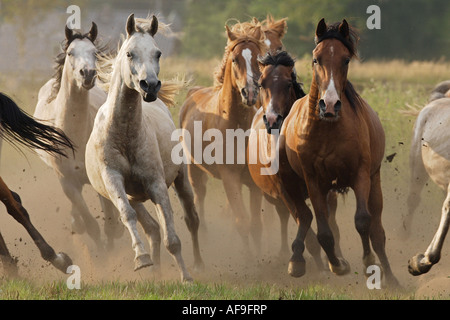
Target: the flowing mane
(245, 33)
(105, 65)
(60, 60)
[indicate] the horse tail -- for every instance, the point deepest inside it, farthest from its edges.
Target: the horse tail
(16, 126)
(170, 88)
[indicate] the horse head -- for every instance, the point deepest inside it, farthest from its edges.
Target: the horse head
(139, 58)
(279, 88)
(80, 56)
(335, 47)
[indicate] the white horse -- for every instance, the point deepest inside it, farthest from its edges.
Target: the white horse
(430, 158)
(70, 100)
(128, 155)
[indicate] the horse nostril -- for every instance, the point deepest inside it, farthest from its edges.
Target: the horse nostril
(144, 85)
(82, 72)
(322, 105)
(244, 92)
(337, 106)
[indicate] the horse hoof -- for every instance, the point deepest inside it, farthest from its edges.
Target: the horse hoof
(341, 269)
(296, 269)
(416, 267)
(62, 262)
(142, 261)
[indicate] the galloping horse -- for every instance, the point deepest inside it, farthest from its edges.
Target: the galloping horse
(430, 158)
(229, 105)
(17, 126)
(332, 139)
(128, 155)
(71, 100)
(279, 89)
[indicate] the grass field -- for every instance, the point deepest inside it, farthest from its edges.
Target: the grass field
(388, 87)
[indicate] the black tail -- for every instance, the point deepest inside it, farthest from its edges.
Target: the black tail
(18, 126)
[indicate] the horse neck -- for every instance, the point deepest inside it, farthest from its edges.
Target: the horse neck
(72, 103)
(125, 106)
(230, 101)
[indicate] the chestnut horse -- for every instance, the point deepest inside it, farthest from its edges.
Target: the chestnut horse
(18, 127)
(332, 139)
(227, 105)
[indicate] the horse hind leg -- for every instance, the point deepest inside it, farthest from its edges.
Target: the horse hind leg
(422, 263)
(186, 196)
(9, 263)
(80, 209)
(12, 201)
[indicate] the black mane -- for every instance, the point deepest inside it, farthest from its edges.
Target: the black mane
(333, 33)
(284, 59)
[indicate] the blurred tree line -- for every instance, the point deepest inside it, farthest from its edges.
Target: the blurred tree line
(410, 29)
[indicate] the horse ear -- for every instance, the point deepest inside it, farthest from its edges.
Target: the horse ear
(258, 32)
(255, 21)
(231, 36)
(344, 29)
(153, 26)
(69, 34)
(131, 25)
(321, 28)
(93, 32)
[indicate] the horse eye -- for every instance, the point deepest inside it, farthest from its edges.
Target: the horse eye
(128, 55)
(158, 54)
(347, 61)
(315, 61)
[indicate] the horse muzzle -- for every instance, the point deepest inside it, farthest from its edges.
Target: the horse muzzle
(273, 122)
(89, 77)
(329, 111)
(150, 90)
(249, 95)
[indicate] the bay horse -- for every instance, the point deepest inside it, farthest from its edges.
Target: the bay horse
(279, 89)
(228, 105)
(16, 126)
(430, 158)
(332, 139)
(70, 100)
(128, 154)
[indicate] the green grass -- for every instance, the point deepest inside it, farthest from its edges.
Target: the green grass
(174, 290)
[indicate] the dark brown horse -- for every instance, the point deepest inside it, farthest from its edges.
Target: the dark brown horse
(229, 105)
(18, 127)
(332, 139)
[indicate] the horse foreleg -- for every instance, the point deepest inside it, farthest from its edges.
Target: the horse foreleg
(256, 221)
(338, 265)
(160, 197)
(14, 207)
(377, 234)
(422, 263)
(198, 180)
(151, 229)
(233, 190)
(186, 196)
(113, 227)
(283, 214)
(114, 184)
